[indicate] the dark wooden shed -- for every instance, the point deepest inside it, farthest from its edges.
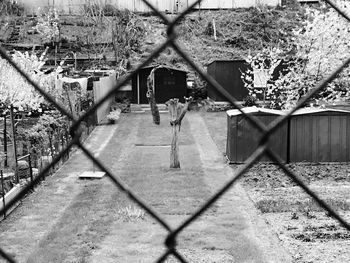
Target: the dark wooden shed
(243, 138)
(169, 83)
(320, 135)
(228, 74)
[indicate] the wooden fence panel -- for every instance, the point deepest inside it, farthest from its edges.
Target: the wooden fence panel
(101, 88)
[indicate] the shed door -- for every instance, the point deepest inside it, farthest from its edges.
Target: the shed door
(142, 82)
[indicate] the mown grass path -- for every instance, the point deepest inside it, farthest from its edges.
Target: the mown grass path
(72, 220)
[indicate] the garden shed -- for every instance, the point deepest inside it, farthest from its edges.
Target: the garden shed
(243, 138)
(228, 74)
(320, 135)
(168, 83)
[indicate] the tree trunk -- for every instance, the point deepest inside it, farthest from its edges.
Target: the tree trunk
(174, 151)
(177, 113)
(151, 98)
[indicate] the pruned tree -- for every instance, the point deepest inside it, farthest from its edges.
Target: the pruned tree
(177, 112)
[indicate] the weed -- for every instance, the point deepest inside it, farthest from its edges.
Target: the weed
(131, 213)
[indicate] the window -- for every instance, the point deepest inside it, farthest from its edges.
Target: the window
(169, 80)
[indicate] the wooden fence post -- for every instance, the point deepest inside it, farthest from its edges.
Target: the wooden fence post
(13, 126)
(3, 192)
(5, 141)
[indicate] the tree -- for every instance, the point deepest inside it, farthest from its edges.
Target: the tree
(16, 91)
(258, 78)
(177, 112)
(320, 46)
(324, 44)
(48, 25)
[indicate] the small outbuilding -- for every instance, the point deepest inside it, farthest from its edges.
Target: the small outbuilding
(228, 74)
(169, 83)
(243, 138)
(320, 135)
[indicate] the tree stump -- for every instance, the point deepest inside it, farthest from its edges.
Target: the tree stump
(177, 112)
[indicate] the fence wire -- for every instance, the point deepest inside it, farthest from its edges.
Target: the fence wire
(263, 149)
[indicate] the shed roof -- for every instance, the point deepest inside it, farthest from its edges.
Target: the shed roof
(305, 111)
(226, 60)
(164, 66)
(254, 109)
(302, 111)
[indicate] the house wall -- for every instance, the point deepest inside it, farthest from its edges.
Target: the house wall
(76, 6)
(222, 4)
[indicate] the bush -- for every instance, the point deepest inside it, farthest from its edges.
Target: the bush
(249, 101)
(199, 90)
(8, 7)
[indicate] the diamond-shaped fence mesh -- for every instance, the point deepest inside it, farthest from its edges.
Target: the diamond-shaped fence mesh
(263, 149)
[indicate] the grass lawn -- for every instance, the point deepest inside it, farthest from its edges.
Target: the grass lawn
(72, 220)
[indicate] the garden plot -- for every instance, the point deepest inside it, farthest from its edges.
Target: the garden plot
(306, 230)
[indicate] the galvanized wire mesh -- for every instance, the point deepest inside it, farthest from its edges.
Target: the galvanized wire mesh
(263, 149)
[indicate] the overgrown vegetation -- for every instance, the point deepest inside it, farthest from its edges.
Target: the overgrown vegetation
(112, 31)
(321, 45)
(48, 26)
(240, 33)
(9, 7)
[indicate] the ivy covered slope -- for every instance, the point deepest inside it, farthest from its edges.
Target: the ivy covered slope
(235, 34)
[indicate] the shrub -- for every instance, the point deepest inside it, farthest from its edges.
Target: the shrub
(8, 7)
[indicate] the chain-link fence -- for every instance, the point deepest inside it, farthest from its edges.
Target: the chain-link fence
(263, 149)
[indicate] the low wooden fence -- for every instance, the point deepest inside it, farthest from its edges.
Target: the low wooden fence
(101, 88)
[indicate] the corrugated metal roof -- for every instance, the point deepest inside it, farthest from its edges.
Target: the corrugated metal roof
(254, 109)
(302, 111)
(305, 111)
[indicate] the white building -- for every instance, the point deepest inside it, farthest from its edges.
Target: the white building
(76, 6)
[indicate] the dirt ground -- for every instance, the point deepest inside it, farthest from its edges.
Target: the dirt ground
(72, 220)
(305, 229)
